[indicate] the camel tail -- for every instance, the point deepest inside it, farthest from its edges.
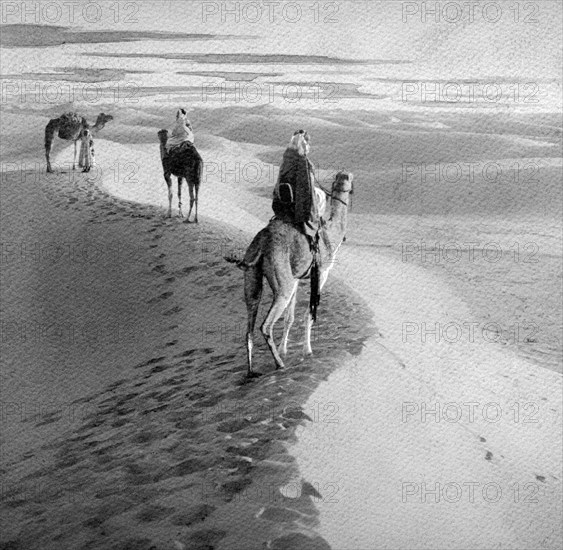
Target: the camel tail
(234, 260)
(253, 254)
(315, 298)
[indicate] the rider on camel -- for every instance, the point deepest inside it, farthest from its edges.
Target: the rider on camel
(296, 199)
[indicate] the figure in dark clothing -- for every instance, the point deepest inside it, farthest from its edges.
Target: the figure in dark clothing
(295, 199)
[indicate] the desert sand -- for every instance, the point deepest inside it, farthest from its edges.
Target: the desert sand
(130, 425)
(128, 422)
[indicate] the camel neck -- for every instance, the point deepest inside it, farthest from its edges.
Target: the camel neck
(338, 216)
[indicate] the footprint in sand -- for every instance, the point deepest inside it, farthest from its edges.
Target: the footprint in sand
(224, 271)
(186, 353)
(193, 514)
(205, 538)
(154, 512)
(160, 268)
(163, 296)
(170, 279)
(172, 311)
(152, 361)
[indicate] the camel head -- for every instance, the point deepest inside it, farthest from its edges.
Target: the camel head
(102, 120)
(343, 183)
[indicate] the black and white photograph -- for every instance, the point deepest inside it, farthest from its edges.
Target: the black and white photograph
(281, 275)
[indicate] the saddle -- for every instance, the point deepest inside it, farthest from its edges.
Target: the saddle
(68, 123)
(182, 148)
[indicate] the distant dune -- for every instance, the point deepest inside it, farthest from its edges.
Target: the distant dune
(246, 58)
(23, 36)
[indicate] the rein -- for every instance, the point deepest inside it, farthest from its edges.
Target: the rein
(328, 193)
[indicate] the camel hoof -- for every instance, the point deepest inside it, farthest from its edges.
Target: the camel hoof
(250, 375)
(187, 221)
(254, 374)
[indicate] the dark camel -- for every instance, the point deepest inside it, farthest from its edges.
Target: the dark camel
(184, 164)
(70, 127)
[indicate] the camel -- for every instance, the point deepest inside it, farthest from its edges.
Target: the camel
(184, 164)
(70, 127)
(282, 253)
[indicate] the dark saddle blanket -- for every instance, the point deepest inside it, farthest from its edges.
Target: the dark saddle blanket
(69, 124)
(184, 147)
(175, 159)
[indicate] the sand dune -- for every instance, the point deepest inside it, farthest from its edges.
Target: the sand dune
(172, 455)
(127, 419)
(372, 436)
(375, 460)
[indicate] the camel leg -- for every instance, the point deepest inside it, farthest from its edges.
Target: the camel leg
(253, 284)
(196, 197)
(309, 320)
(288, 322)
(169, 184)
(50, 131)
(198, 171)
(74, 159)
(191, 190)
(180, 197)
(279, 305)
